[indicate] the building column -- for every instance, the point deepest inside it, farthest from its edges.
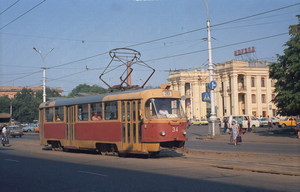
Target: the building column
(202, 103)
(258, 95)
(196, 99)
(218, 97)
(248, 99)
(269, 97)
(227, 105)
(234, 94)
(181, 89)
(175, 85)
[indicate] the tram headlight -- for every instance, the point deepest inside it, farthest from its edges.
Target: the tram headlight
(163, 133)
(184, 133)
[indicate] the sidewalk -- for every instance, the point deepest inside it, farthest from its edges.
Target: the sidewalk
(260, 151)
(259, 135)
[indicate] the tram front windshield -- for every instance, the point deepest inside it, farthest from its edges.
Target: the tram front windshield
(163, 108)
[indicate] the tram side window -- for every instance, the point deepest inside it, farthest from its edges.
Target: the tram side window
(83, 112)
(59, 114)
(111, 110)
(49, 114)
(96, 111)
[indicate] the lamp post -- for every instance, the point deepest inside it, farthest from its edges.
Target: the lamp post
(213, 117)
(44, 70)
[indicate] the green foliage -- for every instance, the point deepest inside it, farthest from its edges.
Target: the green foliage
(25, 105)
(84, 88)
(286, 72)
(4, 104)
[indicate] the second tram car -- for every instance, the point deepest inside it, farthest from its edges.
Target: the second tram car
(137, 121)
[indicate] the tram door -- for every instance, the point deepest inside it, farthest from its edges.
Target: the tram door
(131, 126)
(70, 129)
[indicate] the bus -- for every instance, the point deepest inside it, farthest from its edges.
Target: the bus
(119, 122)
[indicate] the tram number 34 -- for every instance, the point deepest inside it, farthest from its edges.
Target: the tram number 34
(174, 129)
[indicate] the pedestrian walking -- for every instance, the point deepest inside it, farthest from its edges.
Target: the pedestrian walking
(226, 124)
(270, 123)
(249, 123)
(4, 137)
(234, 132)
(240, 123)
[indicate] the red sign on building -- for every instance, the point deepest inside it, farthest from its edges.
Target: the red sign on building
(244, 51)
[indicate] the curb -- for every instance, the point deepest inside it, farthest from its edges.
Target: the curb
(244, 161)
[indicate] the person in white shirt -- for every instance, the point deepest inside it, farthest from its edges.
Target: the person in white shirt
(163, 111)
(4, 138)
(4, 130)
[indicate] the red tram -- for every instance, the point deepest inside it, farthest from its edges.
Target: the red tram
(137, 121)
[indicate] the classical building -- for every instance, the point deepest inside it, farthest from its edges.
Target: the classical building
(11, 91)
(243, 87)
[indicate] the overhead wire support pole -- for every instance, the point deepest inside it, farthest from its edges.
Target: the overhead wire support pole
(213, 116)
(44, 70)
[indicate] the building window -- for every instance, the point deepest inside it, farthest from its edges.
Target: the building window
(263, 82)
(253, 97)
(263, 98)
(273, 96)
(252, 81)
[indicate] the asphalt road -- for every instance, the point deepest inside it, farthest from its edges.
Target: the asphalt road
(25, 166)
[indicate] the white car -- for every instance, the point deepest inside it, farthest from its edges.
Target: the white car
(263, 121)
(254, 122)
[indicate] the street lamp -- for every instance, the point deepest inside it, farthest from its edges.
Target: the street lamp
(213, 117)
(44, 70)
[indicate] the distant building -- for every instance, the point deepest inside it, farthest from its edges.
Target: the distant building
(243, 87)
(12, 91)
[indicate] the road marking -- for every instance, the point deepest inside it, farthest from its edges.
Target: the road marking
(92, 173)
(11, 160)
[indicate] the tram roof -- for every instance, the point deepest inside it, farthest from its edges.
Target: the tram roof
(86, 99)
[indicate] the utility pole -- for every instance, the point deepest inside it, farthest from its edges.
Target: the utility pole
(44, 70)
(213, 117)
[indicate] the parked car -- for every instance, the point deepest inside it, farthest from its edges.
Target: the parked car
(37, 129)
(263, 121)
(275, 120)
(30, 128)
(291, 122)
(254, 122)
(200, 122)
(14, 131)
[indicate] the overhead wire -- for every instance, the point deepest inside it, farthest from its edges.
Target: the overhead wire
(22, 77)
(9, 7)
(179, 34)
(22, 15)
(232, 44)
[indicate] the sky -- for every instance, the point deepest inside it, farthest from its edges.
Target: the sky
(74, 37)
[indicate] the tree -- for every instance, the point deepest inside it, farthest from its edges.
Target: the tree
(84, 88)
(286, 72)
(25, 106)
(4, 104)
